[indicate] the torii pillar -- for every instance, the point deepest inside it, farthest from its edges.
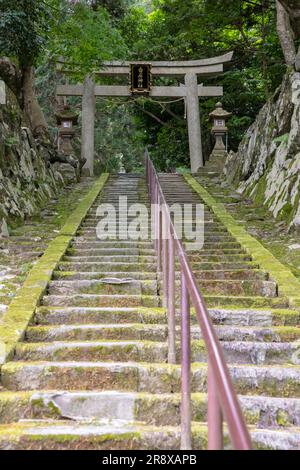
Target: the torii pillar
(194, 124)
(88, 125)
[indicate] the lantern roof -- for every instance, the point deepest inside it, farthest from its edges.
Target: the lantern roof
(219, 112)
(66, 114)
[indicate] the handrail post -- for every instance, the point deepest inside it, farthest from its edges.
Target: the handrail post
(214, 413)
(186, 431)
(159, 234)
(171, 302)
(165, 267)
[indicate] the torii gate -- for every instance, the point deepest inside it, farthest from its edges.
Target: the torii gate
(191, 91)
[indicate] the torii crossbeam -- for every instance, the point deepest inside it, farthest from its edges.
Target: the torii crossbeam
(191, 91)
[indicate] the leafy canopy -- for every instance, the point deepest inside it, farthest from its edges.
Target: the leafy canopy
(85, 37)
(24, 29)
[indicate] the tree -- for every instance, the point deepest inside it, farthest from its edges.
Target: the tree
(86, 37)
(24, 28)
(288, 28)
(194, 29)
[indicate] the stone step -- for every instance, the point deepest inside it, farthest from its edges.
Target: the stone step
(63, 435)
(85, 275)
(236, 352)
(276, 381)
(238, 288)
(91, 252)
(104, 266)
(154, 409)
(238, 274)
(94, 300)
(114, 259)
(158, 332)
(101, 266)
(245, 301)
(200, 275)
(79, 243)
(112, 315)
(87, 315)
(152, 259)
(223, 265)
(106, 286)
(219, 257)
(88, 252)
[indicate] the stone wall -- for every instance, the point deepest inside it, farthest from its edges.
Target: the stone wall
(267, 164)
(27, 179)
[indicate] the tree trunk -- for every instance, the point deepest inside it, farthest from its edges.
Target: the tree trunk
(12, 76)
(32, 108)
(286, 34)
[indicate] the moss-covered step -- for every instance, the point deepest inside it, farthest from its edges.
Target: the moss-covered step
(288, 284)
(81, 436)
(236, 352)
(153, 409)
(75, 436)
(219, 257)
(106, 267)
(91, 252)
(220, 316)
(158, 332)
(86, 275)
(22, 307)
(130, 259)
(84, 315)
(277, 381)
(242, 275)
(237, 274)
(245, 301)
(223, 265)
(80, 243)
(94, 300)
(255, 317)
(107, 286)
(236, 287)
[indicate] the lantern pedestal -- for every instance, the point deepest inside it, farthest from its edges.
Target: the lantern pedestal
(66, 119)
(219, 130)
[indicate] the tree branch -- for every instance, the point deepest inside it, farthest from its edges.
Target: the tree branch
(160, 121)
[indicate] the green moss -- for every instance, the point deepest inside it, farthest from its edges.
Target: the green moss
(283, 418)
(22, 308)
(288, 284)
(259, 197)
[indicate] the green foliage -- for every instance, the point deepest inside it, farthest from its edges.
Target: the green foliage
(282, 138)
(11, 141)
(86, 37)
(176, 30)
(118, 132)
(86, 33)
(171, 149)
(24, 29)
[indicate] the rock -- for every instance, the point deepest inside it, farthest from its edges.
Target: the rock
(266, 166)
(296, 246)
(67, 171)
(27, 179)
(4, 232)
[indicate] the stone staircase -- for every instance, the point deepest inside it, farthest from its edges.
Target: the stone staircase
(92, 370)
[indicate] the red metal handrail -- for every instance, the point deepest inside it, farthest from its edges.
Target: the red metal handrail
(222, 398)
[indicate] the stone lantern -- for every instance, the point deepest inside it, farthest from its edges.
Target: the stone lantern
(66, 120)
(219, 117)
